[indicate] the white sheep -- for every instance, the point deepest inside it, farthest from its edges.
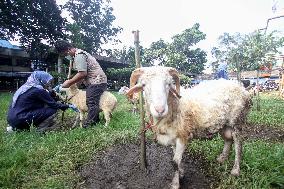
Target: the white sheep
(214, 106)
(134, 100)
(123, 90)
(77, 97)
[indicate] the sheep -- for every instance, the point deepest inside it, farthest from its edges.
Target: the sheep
(77, 97)
(134, 100)
(123, 90)
(214, 106)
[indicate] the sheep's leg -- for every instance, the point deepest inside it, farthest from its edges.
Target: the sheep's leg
(238, 153)
(178, 152)
(82, 115)
(134, 109)
(76, 120)
(226, 134)
(107, 116)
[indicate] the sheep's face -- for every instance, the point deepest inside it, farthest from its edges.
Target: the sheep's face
(156, 90)
(156, 83)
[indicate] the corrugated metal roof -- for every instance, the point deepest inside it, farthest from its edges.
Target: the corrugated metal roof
(15, 74)
(7, 44)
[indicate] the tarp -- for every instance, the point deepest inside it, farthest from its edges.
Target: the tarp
(7, 44)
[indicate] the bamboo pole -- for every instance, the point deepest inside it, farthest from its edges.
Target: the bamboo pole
(142, 113)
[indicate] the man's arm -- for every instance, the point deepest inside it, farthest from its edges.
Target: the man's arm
(78, 77)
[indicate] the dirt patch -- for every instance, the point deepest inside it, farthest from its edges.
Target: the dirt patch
(263, 132)
(119, 167)
(250, 131)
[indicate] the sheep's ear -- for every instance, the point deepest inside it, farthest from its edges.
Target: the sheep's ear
(174, 73)
(137, 88)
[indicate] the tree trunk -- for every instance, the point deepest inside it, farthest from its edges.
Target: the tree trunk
(257, 91)
(142, 113)
(238, 71)
(69, 69)
(59, 68)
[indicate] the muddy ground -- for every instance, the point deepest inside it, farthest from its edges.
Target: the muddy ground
(118, 166)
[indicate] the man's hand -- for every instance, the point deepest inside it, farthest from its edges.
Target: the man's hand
(66, 84)
(77, 78)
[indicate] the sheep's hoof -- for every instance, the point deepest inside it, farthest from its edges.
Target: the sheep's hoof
(181, 173)
(175, 181)
(221, 159)
(235, 172)
(73, 126)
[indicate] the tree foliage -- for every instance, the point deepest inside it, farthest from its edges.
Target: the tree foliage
(31, 21)
(179, 54)
(93, 24)
(38, 21)
(247, 52)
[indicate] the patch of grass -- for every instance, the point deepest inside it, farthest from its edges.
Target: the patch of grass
(271, 111)
(262, 164)
(33, 160)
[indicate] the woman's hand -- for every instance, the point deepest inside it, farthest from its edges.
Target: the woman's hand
(73, 107)
(57, 88)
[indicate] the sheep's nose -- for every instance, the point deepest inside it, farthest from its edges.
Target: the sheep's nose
(159, 109)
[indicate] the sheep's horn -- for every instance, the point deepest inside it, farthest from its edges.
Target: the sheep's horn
(134, 89)
(174, 73)
(133, 79)
(135, 76)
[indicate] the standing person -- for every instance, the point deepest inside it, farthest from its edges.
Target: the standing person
(222, 70)
(33, 105)
(89, 70)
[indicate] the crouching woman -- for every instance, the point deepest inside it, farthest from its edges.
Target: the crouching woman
(33, 105)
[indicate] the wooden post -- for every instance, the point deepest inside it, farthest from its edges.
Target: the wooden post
(142, 113)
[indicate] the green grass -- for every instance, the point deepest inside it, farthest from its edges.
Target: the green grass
(32, 160)
(271, 111)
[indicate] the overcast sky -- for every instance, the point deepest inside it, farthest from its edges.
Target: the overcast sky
(157, 19)
(161, 19)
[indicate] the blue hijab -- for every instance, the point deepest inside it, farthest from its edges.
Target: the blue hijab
(37, 79)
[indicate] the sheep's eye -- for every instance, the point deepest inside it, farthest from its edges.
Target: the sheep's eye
(143, 83)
